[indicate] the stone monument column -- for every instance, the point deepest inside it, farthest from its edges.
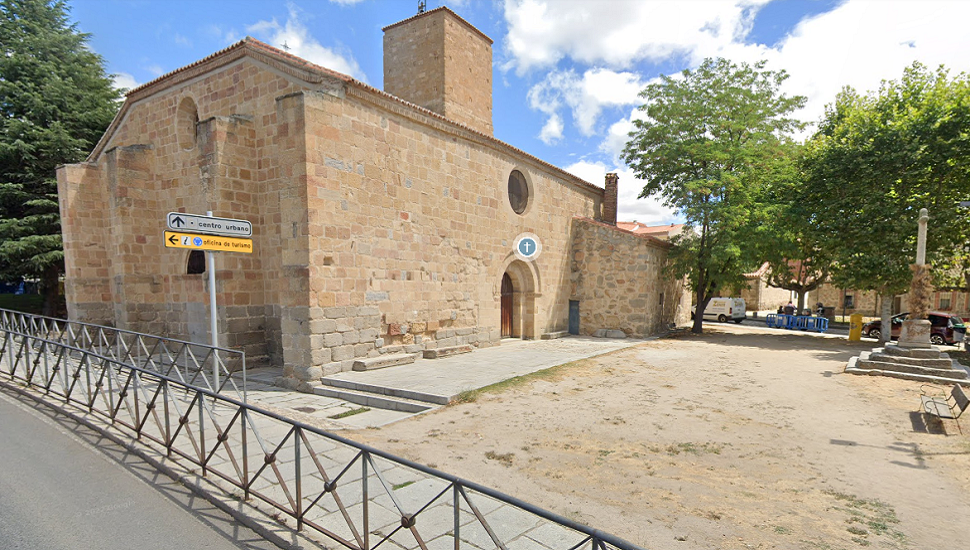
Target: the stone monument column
(916, 330)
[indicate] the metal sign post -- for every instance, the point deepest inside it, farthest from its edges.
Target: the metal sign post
(213, 320)
(210, 234)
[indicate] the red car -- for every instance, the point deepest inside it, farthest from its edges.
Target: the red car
(945, 327)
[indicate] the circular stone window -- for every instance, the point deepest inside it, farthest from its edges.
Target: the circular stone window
(518, 192)
(186, 121)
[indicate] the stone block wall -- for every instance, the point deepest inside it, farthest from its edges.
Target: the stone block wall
(618, 278)
(439, 61)
(226, 159)
(410, 217)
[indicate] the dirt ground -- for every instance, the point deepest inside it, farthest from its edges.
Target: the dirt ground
(737, 438)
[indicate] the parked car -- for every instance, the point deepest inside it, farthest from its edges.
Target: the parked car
(723, 309)
(945, 327)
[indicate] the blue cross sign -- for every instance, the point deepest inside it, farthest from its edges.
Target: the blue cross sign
(527, 247)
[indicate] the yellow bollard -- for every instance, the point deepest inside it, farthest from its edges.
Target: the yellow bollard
(855, 327)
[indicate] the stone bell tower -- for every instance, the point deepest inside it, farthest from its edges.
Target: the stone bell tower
(439, 61)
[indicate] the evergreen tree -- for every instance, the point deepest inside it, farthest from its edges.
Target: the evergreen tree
(55, 103)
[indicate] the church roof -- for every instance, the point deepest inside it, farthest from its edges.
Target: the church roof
(311, 74)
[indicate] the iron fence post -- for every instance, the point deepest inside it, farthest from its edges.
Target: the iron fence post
(457, 510)
(365, 458)
(297, 435)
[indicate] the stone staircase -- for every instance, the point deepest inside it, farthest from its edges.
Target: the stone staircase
(922, 364)
(379, 397)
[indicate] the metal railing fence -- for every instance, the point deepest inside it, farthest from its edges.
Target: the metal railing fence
(351, 493)
(194, 364)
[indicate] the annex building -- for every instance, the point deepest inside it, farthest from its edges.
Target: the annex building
(383, 220)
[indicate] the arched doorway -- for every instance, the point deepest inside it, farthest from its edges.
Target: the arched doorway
(507, 292)
(519, 291)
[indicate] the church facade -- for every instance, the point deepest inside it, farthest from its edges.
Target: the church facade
(384, 221)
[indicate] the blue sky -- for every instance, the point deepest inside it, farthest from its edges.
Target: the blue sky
(566, 72)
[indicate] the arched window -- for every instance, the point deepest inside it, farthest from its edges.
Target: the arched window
(196, 263)
(186, 121)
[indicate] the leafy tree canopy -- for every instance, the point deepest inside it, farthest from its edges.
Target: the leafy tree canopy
(709, 141)
(55, 103)
(875, 161)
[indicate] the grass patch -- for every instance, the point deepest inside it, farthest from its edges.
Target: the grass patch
(402, 485)
(688, 448)
(505, 459)
(351, 412)
(868, 518)
(552, 373)
(27, 303)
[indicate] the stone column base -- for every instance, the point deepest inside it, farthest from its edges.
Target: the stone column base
(915, 334)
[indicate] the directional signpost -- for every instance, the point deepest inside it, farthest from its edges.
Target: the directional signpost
(211, 234)
(191, 223)
(177, 239)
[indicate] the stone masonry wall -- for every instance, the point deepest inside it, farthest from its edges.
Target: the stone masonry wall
(229, 162)
(618, 279)
(439, 61)
(411, 230)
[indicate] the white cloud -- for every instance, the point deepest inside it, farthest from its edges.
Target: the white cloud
(155, 69)
(858, 43)
(294, 37)
(552, 130)
(629, 208)
(586, 96)
(617, 33)
(124, 81)
(181, 40)
(863, 42)
(346, 2)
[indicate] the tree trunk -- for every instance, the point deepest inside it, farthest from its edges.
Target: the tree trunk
(801, 302)
(698, 327)
(49, 287)
(886, 316)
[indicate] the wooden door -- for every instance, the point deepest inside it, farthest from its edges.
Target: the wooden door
(506, 306)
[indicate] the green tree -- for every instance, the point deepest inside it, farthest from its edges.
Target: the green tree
(55, 103)
(874, 162)
(710, 140)
(797, 258)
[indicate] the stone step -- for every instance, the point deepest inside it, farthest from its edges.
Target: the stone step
(384, 361)
(389, 392)
(852, 369)
(948, 373)
(371, 400)
(916, 353)
(554, 335)
(438, 353)
(944, 362)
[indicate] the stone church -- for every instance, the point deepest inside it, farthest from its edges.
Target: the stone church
(384, 221)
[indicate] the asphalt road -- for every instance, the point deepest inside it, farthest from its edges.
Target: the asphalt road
(63, 486)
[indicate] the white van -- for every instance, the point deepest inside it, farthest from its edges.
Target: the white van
(723, 310)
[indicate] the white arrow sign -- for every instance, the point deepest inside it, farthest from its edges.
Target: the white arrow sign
(194, 223)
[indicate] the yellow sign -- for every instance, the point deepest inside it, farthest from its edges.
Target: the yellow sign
(175, 239)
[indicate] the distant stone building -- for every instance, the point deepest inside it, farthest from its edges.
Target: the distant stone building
(384, 221)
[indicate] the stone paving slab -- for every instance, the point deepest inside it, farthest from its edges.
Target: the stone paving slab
(444, 378)
(449, 376)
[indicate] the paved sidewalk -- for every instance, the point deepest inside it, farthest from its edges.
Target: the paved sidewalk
(450, 376)
(445, 377)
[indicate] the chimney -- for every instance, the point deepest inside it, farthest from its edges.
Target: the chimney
(439, 61)
(610, 198)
